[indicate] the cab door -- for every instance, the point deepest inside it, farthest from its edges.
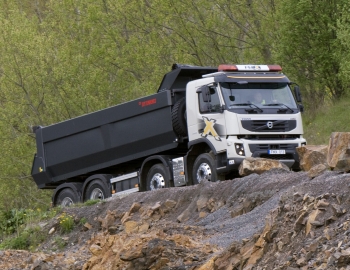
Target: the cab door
(210, 117)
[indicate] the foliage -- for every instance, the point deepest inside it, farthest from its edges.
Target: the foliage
(91, 202)
(10, 221)
(15, 221)
(62, 59)
(28, 239)
(343, 34)
(66, 222)
(19, 242)
(330, 118)
(309, 49)
(19, 228)
(44, 215)
(83, 220)
(60, 243)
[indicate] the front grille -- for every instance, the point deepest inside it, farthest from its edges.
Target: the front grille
(264, 147)
(269, 125)
(269, 137)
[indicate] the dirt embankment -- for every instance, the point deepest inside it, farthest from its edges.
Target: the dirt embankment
(277, 220)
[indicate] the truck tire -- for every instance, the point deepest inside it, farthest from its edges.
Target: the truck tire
(204, 169)
(178, 116)
(66, 198)
(157, 178)
(96, 191)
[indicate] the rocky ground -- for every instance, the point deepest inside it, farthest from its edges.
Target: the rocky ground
(276, 220)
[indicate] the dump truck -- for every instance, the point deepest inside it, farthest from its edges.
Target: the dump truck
(200, 124)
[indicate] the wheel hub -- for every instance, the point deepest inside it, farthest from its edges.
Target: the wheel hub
(157, 182)
(66, 202)
(97, 194)
(203, 172)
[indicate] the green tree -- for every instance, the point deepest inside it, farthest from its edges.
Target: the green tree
(20, 102)
(61, 59)
(307, 46)
(343, 35)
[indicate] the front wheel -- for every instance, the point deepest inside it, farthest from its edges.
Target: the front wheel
(204, 169)
(96, 191)
(66, 198)
(157, 178)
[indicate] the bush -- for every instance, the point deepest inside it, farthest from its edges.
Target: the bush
(66, 222)
(11, 220)
(20, 242)
(29, 239)
(18, 230)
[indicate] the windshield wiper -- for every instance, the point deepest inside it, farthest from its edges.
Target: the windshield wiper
(247, 104)
(279, 104)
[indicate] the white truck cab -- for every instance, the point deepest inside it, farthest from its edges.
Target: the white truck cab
(246, 111)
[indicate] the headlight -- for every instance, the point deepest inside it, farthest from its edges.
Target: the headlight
(239, 149)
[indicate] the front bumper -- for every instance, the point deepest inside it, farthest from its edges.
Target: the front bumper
(260, 148)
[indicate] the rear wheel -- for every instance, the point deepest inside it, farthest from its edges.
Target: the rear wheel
(96, 191)
(204, 169)
(157, 178)
(67, 197)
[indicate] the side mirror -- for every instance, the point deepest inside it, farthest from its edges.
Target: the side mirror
(297, 93)
(205, 90)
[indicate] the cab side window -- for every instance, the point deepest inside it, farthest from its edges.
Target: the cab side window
(211, 106)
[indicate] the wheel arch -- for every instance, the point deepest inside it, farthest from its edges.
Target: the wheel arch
(105, 179)
(201, 144)
(149, 162)
(75, 186)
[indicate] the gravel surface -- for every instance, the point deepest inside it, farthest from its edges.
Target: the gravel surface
(220, 220)
(265, 190)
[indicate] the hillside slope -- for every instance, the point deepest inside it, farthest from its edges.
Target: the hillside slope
(277, 220)
(329, 118)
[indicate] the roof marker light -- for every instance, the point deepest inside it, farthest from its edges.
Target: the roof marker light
(226, 67)
(275, 67)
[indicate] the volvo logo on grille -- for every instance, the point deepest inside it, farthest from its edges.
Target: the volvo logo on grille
(269, 124)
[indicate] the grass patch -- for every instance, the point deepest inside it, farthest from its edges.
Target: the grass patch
(59, 242)
(83, 220)
(19, 228)
(28, 239)
(91, 202)
(331, 118)
(15, 220)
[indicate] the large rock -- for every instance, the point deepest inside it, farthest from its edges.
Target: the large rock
(317, 170)
(108, 220)
(338, 157)
(312, 155)
(259, 165)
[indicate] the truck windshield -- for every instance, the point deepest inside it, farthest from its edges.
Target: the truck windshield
(263, 95)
